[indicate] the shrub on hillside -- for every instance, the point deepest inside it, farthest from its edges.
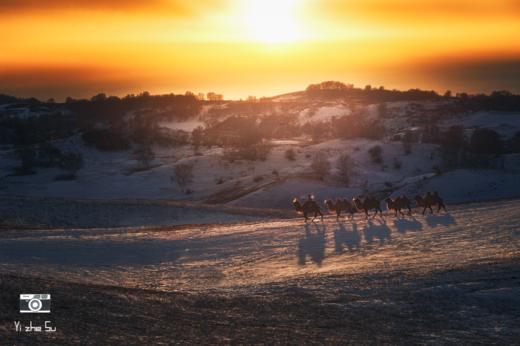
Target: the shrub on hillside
(407, 147)
(408, 139)
(144, 155)
(106, 139)
(376, 154)
(486, 141)
(46, 155)
(27, 157)
(319, 131)
(397, 164)
(183, 174)
(72, 163)
(382, 110)
(453, 139)
(290, 154)
(357, 126)
(453, 145)
(197, 136)
(234, 131)
(514, 143)
(258, 152)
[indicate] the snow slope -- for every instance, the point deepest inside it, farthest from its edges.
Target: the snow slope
(505, 123)
(323, 113)
(274, 181)
(265, 184)
(468, 185)
(249, 254)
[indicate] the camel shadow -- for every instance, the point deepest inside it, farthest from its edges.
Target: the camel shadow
(312, 244)
(342, 236)
(377, 230)
(404, 225)
(440, 220)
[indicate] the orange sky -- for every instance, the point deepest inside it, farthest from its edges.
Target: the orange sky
(58, 48)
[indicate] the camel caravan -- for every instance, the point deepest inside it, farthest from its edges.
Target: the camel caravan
(367, 204)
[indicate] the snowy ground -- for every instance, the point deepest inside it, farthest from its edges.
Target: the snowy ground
(72, 213)
(436, 279)
(229, 262)
(270, 183)
(449, 278)
(211, 256)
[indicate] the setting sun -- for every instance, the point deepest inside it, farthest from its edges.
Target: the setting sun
(59, 48)
(272, 21)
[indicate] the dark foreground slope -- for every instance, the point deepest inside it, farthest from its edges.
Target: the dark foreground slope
(478, 304)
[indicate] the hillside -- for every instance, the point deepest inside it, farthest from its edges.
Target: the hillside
(435, 279)
(260, 154)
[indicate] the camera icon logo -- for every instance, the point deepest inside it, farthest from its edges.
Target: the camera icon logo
(35, 303)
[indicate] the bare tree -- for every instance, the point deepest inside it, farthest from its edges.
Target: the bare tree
(144, 154)
(344, 165)
(197, 136)
(183, 174)
(71, 162)
(290, 154)
(320, 165)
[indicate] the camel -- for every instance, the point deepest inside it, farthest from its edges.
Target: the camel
(368, 204)
(431, 199)
(426, 202)
(308, 207)
(401, 202)
(339, 206)
(439, 201)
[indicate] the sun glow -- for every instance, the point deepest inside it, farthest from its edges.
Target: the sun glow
(272, 21)
(60, 48)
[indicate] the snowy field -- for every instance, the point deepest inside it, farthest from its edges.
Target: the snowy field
(434, 279)
(259, 252)
(70, 213)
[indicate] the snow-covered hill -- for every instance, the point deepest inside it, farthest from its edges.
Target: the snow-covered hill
(274, 181)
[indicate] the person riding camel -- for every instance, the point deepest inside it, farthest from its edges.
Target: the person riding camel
(309, 200)
(309, 206)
